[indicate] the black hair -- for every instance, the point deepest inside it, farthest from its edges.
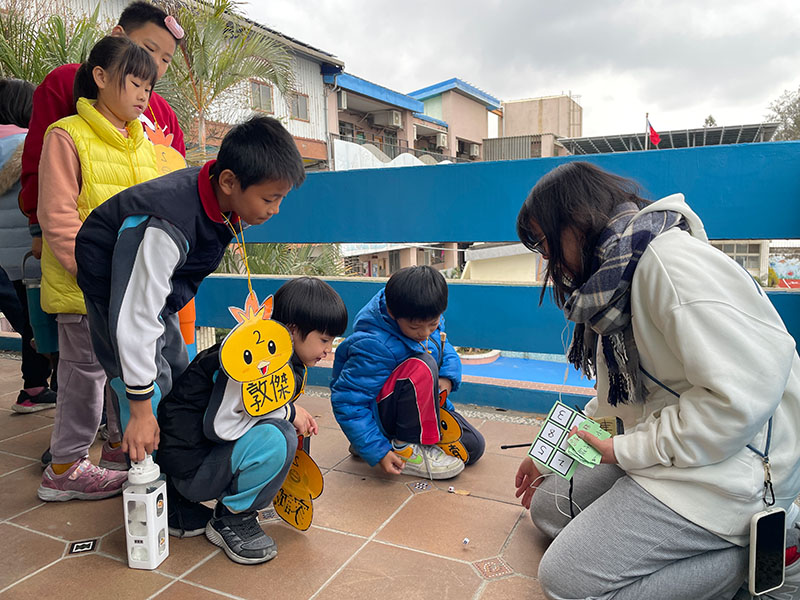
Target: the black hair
(119, 57)
(416, 293)
(310, 304)
(138, 14)
(578, 195)
(258, 150)
(16, 102)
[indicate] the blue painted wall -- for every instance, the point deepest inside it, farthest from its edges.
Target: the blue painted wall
(747, 191)
(741, 191)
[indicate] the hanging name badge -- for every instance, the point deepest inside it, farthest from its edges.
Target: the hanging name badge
(167, 158)
(256, 353)
(294, 501)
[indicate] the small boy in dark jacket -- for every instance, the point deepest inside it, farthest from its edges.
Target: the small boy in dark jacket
(213, 449)
(387, 376)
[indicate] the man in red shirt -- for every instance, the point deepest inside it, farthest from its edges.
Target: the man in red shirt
(149, 27)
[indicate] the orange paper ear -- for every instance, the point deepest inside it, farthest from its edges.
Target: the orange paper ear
(267, 306)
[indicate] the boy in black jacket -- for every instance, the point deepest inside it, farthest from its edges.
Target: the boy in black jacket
(212, 449)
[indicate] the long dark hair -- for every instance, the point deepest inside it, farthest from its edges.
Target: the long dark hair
(578, 195)
(16, 102)
(119, 57)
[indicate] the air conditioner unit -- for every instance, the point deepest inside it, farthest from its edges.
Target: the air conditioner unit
(389, 118)
(474, 150)
(441, 140)
(341, 100)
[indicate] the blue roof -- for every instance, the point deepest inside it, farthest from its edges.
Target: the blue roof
(425, 117)
(373, 90)
(487, 100)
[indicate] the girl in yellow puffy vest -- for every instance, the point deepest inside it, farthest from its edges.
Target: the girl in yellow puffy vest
(86, 159)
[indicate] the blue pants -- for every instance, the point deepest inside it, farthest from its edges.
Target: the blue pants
(246, 474)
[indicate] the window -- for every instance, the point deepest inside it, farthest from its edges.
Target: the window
(300, 107)
(743, 252)
(346, 131)
(261, 96)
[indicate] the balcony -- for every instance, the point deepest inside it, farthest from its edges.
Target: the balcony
(370, 531)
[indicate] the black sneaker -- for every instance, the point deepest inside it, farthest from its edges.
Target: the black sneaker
(185, 518)
(240, 536)
(47, 458)
(42, 401)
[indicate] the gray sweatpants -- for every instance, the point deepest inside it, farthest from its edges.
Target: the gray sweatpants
(625, 544)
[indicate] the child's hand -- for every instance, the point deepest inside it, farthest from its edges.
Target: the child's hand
(142, 434)
(604, 447)
(445, 384)
(526, 481)
(303, 422)
(392, 463)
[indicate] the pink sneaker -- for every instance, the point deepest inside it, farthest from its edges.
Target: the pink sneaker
(82, 481)
(113, 459)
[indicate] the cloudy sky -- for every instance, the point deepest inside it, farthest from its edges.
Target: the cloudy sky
(679, 60)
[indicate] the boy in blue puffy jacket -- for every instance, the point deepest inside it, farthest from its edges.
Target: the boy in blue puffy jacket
(387, 376)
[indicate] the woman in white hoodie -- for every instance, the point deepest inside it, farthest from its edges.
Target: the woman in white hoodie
(695, 361)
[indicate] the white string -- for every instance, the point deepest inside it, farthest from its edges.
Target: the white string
(555, 495)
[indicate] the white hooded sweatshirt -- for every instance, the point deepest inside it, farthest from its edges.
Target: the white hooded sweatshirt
(705, 329)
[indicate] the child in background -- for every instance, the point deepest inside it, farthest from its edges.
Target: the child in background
(86, 159)
(213, 450)
(149, 27)
(15, 241)
(142, 255)
(387, 376)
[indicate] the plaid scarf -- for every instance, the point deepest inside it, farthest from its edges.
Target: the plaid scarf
(602, 305)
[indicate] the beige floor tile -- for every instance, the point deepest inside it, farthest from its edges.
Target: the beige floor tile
(438, 522)
(387, 572)
(526, 547)
(185, 591)
(15, 424)
(357, 504)
(329, 447)
(18, 491)
(491, 477)
(7, 399)
(89, 577)
(320, 409)
(497, 433)
(32, 444)
(305, 561)
(75, 519)
(358, 466)
(183, 553)
(31, 552)
(518, 588)
(10, 463)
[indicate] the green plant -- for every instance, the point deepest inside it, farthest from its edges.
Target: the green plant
(285, 259)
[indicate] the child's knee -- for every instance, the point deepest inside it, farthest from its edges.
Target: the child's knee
(271, 442)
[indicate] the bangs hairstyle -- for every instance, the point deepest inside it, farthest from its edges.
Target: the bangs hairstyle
(119, 57)
(260, 150)
(416, 293)
(138, 14)
(16, 102)
(578, 195)
(311, 305)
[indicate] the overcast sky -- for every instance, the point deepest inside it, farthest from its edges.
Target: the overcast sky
(679, 60)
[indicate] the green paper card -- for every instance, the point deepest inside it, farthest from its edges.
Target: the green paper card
(550, 446)
(583, 452)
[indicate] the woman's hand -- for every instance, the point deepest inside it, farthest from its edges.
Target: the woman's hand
(526, 481)
(604, 447)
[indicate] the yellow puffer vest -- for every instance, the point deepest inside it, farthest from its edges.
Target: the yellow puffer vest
(110, 163)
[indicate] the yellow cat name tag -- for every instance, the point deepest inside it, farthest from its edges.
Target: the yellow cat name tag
(268, 393)
(451, 433)
(293, 502)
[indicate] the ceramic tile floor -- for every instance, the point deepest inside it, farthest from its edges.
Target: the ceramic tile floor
(373, 536)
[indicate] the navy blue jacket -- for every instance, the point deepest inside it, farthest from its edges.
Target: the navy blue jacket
(363, 363)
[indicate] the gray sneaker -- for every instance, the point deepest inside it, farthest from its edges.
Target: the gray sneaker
(430, 462)
(240, 536)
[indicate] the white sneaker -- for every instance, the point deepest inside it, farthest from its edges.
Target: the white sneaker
(427, 461)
